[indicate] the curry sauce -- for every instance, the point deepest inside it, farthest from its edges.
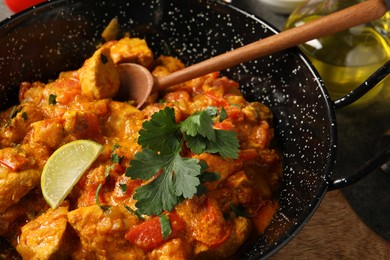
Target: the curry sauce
(82, 104)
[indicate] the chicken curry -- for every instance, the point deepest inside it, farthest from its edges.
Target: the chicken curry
(106, 215)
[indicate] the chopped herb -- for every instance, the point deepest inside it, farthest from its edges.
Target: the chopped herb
(15, 110)
(201, 189)
(135, 212)
(160, 133)
(115, 146)
(176, 177)
(24, 116)
(223, 115)
(239, 210)
(166, 228)
(52, 99)
(104, 208)
(107, 178)
(209, 176)
(103, 58)
(123, 187)
(115, 158)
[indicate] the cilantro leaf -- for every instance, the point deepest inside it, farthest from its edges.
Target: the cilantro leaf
(161, 132)
(197, 144)
(200, 123)
(157, 195)
(226, 144)
(146, 164)
(178, 177)
(212, 111)
(186, 171)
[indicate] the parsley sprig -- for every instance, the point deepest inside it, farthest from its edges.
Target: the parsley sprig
(174, 177)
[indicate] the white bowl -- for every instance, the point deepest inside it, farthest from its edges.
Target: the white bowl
(282, 6)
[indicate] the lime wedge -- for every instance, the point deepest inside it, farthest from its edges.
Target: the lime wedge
(65, 167)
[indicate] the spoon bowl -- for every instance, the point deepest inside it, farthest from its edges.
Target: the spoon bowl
(136, 83)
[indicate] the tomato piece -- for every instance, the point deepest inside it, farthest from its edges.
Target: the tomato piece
(148, 235)
(235, 113)
(217, 101)
(19, 5)
(225, 125)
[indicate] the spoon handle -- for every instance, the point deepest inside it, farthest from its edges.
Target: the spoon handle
(339, 21)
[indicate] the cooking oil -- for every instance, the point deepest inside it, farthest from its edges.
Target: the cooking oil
(346, 59)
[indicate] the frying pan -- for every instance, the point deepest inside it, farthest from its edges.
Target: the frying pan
(59, 35)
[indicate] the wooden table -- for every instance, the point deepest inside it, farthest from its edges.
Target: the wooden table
(335, 232)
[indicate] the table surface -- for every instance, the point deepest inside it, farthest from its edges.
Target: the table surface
(352, 223)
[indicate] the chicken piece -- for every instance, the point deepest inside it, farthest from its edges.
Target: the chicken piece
(81, 125)
(216, 163)
(124, 120)
(166, 65)
(47, 132)
(20, 171)
(28, 208)
(45, 237)
(63, 90)
(99, 76)
(174, 249)
(14, 185)
(31, 92)
(240, 231)
(132, 50)
(102, 234)
(16, 122)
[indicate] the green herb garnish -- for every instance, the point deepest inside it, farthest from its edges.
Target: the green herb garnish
(166, 228)
(115, 158)
(107, 178)
(136, 213)
(103, 58)
(239, 210)
(52, 99)
(15, 110)
(175, 177)
(24, 116)
(123, 187)
(223, 115)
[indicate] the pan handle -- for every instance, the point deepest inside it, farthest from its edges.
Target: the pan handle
(380, 159)
(366, 86)
(383, 157)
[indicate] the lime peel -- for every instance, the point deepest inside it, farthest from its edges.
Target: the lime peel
(65, 167)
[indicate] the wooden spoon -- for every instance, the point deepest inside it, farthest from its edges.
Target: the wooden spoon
(137, 82)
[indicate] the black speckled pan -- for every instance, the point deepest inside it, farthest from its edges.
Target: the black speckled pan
(60, 35)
